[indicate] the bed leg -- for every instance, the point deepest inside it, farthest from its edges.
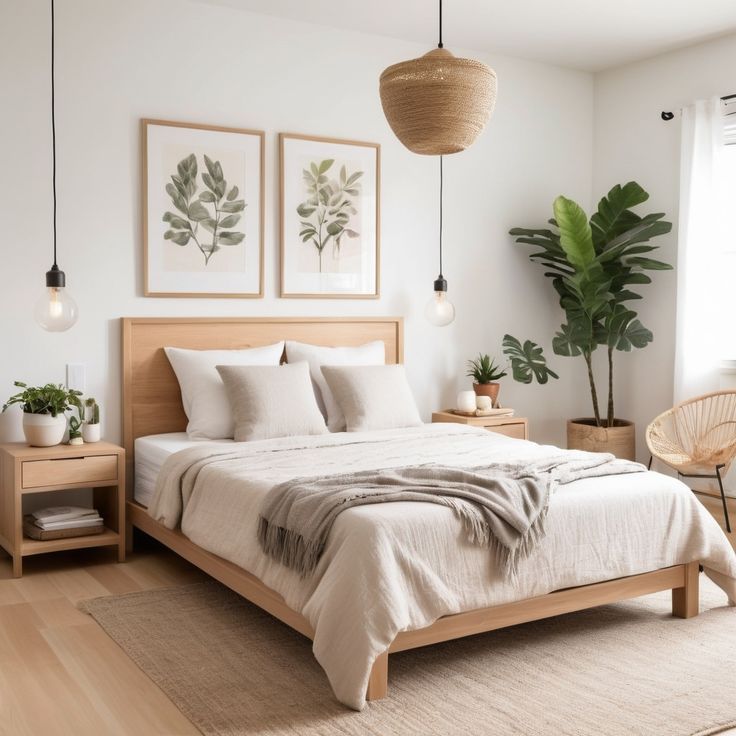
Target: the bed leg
(128, 537)
(378, 681)
(686, 600)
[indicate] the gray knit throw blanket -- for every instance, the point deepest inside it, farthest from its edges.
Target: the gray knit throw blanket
(502, 507)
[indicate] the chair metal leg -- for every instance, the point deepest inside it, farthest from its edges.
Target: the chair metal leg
(723, 498)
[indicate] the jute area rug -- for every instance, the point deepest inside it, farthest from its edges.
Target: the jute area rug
(624, 669)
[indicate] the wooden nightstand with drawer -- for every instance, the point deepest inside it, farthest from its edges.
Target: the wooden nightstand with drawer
(25, 470)
(517, 427)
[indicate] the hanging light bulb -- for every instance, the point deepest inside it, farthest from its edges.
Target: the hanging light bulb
(55, 309)
(440, 311)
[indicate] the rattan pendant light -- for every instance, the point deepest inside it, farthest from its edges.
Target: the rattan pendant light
(439, 103)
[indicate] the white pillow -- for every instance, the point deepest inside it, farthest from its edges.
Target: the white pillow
(272, 401)
(372, 353)
(373, 396)
(202, 393)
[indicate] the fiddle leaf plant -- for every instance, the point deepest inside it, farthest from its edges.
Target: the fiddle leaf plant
(215, 210)
(593, 265)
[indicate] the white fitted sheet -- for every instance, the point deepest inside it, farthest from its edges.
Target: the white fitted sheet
(151, 453)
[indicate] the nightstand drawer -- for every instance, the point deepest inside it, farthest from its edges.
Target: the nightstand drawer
(510, 430)
(38, 473)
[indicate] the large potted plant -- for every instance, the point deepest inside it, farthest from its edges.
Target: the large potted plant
(593, 265)
(44, 420)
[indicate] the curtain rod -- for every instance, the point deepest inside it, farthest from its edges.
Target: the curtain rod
(667, 116)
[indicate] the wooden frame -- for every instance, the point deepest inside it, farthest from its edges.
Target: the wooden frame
(318, 139)
(145, 122)
(144, 376)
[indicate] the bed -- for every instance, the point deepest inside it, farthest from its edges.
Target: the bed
(414, 606)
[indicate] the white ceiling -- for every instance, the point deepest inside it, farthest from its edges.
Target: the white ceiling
(583, 34)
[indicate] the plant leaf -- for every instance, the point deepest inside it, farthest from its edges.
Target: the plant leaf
(231, 238)
(527, 360)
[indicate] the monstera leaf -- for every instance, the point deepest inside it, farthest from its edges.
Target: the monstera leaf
(527, 360)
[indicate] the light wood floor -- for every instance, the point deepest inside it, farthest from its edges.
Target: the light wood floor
(59, 672)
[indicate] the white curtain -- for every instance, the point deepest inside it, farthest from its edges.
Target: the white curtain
(699, 336)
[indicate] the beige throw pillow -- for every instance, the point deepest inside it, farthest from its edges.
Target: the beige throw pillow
(202, 393)
(372, 353)
(373, 396)
(272, 401)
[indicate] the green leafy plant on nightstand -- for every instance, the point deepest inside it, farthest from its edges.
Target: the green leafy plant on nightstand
(49, 399)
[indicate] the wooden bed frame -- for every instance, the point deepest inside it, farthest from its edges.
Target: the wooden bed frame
(152, 405)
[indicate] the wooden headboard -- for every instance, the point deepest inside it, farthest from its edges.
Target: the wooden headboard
(151, 396)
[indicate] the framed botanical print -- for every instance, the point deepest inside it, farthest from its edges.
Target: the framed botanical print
(330, 217)
(203, 205)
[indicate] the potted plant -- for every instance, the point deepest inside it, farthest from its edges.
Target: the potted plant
(593, 265)
(485, 374)
(75, 431)
(44, 421)
(91, 426)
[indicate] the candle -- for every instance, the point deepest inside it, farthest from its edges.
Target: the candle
(466, 401)
(483, 402)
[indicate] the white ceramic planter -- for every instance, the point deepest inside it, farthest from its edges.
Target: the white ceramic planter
(43, 430)
(91, 432)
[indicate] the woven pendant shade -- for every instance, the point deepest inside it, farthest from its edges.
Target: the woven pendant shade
(438, 104)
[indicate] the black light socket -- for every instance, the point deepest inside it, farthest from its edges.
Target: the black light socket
(55, 278)
(440, 283)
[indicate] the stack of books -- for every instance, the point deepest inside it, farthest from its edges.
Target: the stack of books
(59, 522)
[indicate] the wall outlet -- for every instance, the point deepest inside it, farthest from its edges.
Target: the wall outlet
(76, 376)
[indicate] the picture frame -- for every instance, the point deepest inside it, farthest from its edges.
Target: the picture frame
(330, 217)
(203, 210)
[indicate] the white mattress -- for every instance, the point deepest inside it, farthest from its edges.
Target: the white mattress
(150, 454)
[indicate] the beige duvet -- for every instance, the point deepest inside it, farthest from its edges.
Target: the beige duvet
(400, 566)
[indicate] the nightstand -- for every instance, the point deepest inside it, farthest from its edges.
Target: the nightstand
(517, 427)
(25, 470)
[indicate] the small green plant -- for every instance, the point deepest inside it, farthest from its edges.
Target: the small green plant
(484, 369)
(49, 399)
(75, 427)
(91, 411)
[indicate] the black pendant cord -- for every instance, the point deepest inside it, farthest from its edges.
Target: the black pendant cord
(53, 128)
(439, 45)
(441, 198)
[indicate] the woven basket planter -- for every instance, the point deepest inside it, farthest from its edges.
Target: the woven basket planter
(438, 104)
(619, 440)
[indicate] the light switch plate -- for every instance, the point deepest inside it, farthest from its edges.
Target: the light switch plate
(76, 376)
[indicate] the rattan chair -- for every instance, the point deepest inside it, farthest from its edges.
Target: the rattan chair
(697, 438)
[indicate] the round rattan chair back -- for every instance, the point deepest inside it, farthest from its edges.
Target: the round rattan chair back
(697, 435)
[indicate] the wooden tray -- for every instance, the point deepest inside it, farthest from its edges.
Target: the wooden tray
(484, 413)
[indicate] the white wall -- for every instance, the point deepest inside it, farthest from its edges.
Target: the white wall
(632, 142)
(120, 61)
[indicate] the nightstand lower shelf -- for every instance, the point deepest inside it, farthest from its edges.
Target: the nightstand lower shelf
(108, 538)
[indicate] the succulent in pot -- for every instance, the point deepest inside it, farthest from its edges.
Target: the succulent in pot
(44, 407)
(486, 374)
(91, 426)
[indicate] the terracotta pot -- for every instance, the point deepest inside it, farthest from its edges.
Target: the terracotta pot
(619, 440)
(488, 389)
(43, 430)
